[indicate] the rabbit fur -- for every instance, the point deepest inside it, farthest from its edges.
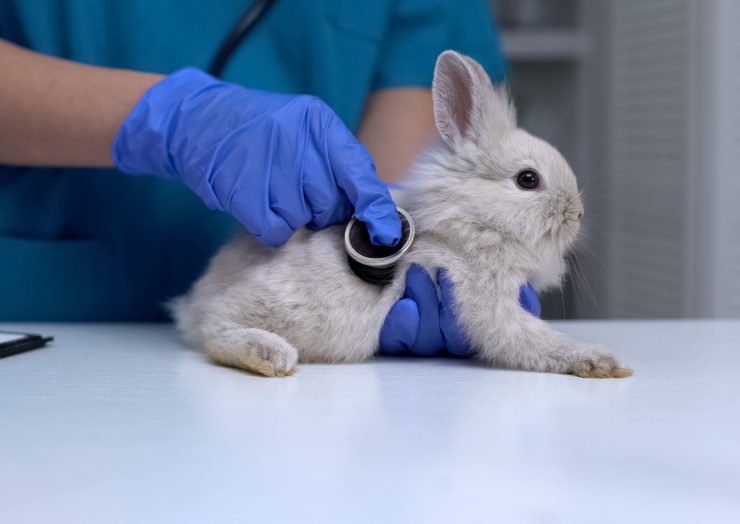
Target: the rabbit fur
(263, 309)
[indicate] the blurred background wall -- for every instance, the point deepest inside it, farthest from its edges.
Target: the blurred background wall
(642, 98)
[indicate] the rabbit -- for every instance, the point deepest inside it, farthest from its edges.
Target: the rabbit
(264, 309)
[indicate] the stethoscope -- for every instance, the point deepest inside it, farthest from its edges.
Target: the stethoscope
(243, 26)
(373, 264)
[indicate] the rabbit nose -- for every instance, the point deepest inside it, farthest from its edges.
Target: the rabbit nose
(580, 215)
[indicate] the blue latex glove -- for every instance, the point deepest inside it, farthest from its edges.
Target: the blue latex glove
(275, 162)
(424, 323)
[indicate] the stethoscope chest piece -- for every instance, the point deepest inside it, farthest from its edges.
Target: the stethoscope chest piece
(376, 264)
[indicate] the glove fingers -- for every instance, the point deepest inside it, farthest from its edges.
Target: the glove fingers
(452, 331)
(267, 227)
(400, 328)
(286, 192)
(421, 289)
(329, 204)
(355, 173)
(287, 201)
(325, 215)
(258, 202)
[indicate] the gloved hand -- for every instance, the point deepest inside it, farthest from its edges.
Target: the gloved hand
(275, 162)
(424, 324)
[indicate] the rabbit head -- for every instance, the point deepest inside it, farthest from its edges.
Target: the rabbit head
(491, 181)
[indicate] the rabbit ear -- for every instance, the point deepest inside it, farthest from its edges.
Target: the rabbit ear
(465, 102)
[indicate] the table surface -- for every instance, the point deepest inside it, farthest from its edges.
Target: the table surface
(122, 423)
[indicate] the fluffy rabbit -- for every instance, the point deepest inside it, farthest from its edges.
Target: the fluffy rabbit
(263, 309)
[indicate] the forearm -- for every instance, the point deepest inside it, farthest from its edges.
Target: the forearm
(397, 124)
(55, 112)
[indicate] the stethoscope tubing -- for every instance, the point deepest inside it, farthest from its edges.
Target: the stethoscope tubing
(243, 26)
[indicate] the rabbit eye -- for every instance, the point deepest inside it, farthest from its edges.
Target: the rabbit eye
(528, 180)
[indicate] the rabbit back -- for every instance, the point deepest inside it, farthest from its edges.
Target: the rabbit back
(304, 292)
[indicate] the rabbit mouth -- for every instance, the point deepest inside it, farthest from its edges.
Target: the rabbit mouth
(565, 230)
(569, 223)
(569, 228)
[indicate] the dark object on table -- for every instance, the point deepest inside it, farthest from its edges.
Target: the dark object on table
(13, 343)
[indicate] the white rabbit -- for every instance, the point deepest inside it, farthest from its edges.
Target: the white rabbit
(263, 309)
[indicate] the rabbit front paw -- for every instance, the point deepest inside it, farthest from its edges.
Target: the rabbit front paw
(595, 363)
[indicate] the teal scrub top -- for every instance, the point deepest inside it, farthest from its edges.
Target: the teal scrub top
(97, 245)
